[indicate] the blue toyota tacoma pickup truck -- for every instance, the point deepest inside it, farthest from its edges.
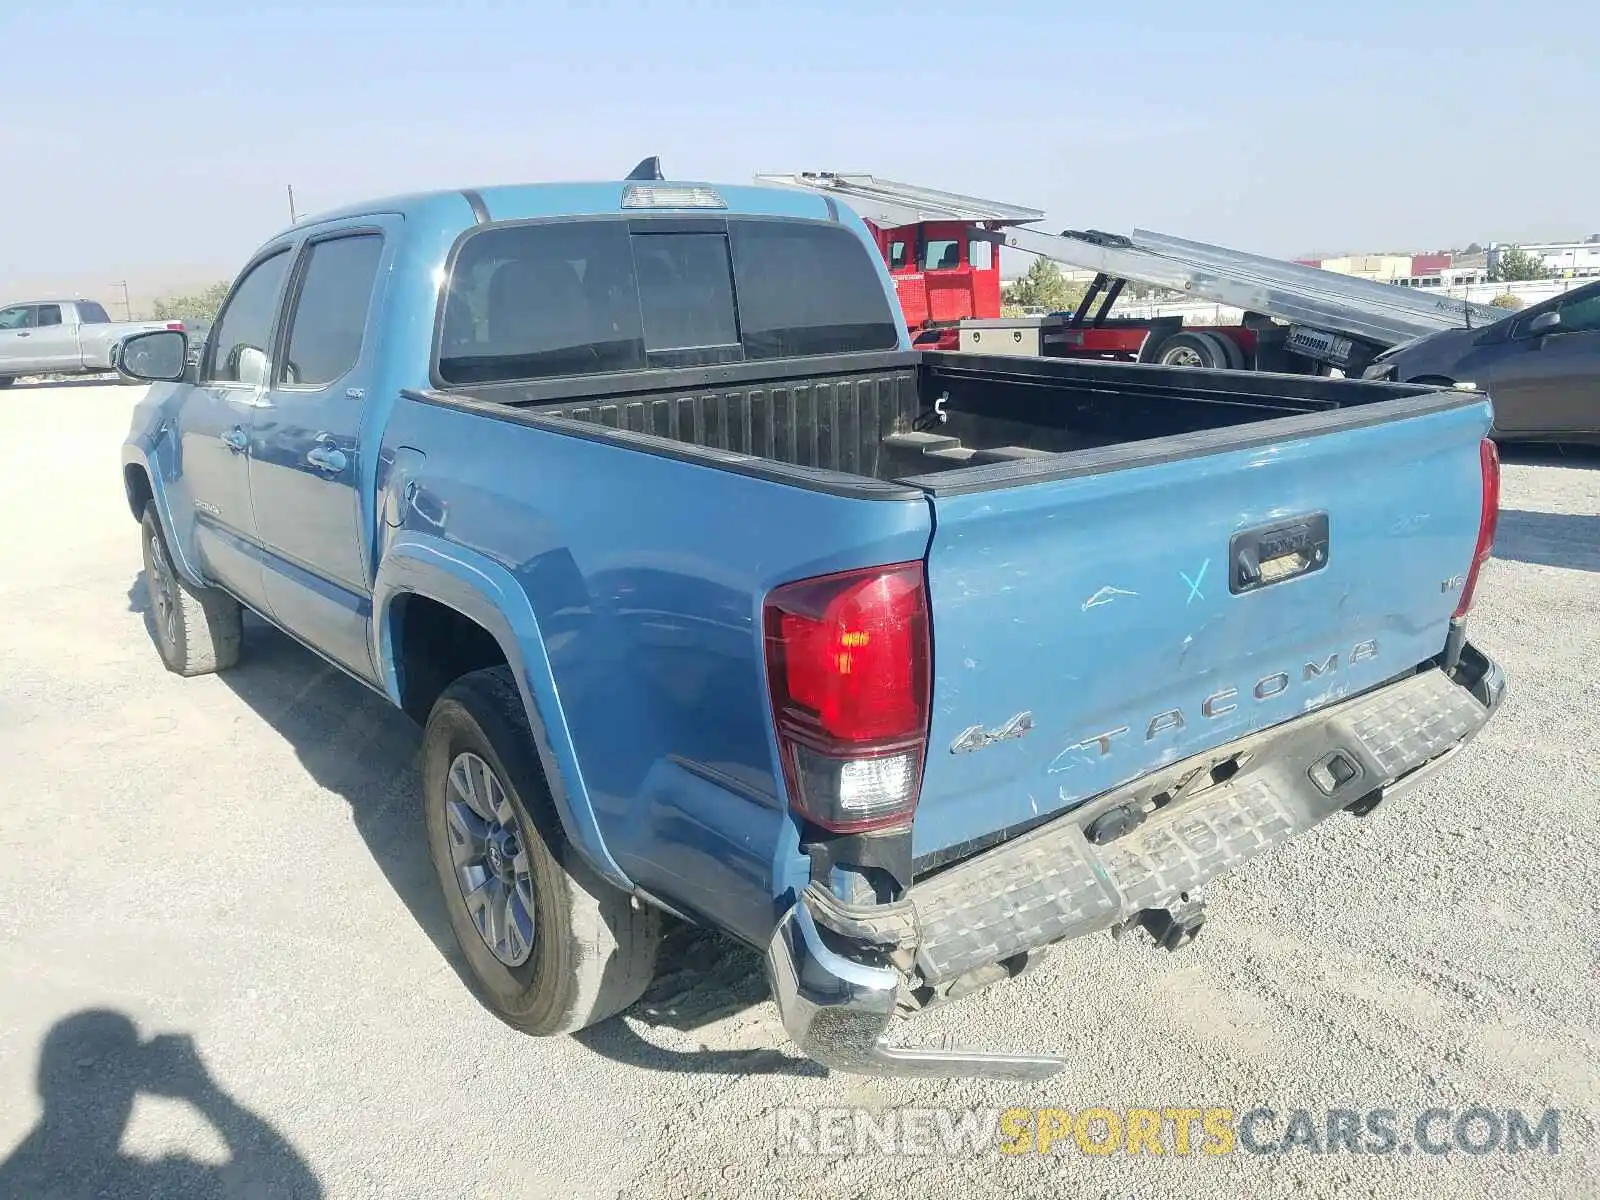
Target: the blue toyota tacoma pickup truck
(714, 598)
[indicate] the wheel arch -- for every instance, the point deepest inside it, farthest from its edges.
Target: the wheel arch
(136, 483)
(143, 486)
(430, 593)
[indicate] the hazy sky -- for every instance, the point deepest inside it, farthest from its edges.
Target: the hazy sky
(142, 136)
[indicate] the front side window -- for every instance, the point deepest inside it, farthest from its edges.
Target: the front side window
(49, 314)
(17, 317)
(243, 332)
(568, 298)
(1581, 314)
(330, 314)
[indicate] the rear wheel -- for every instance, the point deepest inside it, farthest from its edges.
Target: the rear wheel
(197, 630)
(549, 946)
(1233, 356)
(1192, 349)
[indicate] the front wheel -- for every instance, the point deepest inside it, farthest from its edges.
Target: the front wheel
(197, 630)
(549, 946)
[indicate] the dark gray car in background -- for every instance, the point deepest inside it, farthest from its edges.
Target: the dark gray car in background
(1541, 367)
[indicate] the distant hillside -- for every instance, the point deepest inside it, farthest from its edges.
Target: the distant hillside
(144, 286)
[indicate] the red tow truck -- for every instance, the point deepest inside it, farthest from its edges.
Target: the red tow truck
(943, 253)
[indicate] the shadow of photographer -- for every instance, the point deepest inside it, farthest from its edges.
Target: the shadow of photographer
(92, 1066)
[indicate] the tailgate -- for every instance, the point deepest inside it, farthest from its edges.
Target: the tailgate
(1151, 604)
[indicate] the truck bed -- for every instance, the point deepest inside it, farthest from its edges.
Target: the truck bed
(915, 417)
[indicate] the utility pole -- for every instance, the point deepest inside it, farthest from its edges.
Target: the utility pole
(127, 311)
(292, 217)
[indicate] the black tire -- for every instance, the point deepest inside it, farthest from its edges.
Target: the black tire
(6, 381)
(593, 949)
(198, 631)
(1186, 349)
(1232, 356)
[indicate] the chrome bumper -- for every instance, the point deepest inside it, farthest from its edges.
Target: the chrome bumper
(838, 1010)
(1052, 883)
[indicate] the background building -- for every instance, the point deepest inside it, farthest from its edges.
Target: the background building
(1565, 260)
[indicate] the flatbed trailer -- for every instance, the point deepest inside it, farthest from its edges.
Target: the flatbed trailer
(1296, 318)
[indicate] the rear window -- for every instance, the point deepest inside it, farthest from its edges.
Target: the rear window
(592, 297)
(941, 254)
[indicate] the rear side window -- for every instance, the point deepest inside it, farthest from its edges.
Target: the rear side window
(49, 314)
(591, 297)
(330, 314)
(90, 313)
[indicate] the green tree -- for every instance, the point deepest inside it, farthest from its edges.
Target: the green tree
(1044, 287)
(1515, 264)
(202, 306)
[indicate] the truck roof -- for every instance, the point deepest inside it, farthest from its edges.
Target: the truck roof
(522, 201)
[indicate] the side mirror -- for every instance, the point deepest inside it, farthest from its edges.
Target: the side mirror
(161, 356)
(252, 366)
(1545, 322)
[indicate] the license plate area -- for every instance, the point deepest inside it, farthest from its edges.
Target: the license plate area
(1276, 553)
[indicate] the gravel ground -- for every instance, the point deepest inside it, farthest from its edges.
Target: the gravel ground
(238, 860)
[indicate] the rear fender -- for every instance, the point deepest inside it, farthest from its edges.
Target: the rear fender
(481, 589)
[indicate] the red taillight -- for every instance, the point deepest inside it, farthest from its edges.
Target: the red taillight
(848, 659)
(178, 325)
(1488, 520)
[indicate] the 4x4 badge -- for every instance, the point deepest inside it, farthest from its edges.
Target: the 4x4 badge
(977, 737)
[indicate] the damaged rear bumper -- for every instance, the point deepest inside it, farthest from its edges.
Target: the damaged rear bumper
(840, 972)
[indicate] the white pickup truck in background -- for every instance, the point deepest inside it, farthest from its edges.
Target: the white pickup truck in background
(62, 337)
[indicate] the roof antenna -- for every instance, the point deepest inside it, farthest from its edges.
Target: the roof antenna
(648, 168)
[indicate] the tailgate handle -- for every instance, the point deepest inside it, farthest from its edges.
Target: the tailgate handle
(1276, 553)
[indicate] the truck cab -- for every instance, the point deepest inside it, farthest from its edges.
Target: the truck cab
(944, 272)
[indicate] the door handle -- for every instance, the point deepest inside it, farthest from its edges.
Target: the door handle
(327, 458)
(237, 440)
(23, 333)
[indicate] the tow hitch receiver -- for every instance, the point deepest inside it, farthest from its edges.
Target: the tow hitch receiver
(1174, 928)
